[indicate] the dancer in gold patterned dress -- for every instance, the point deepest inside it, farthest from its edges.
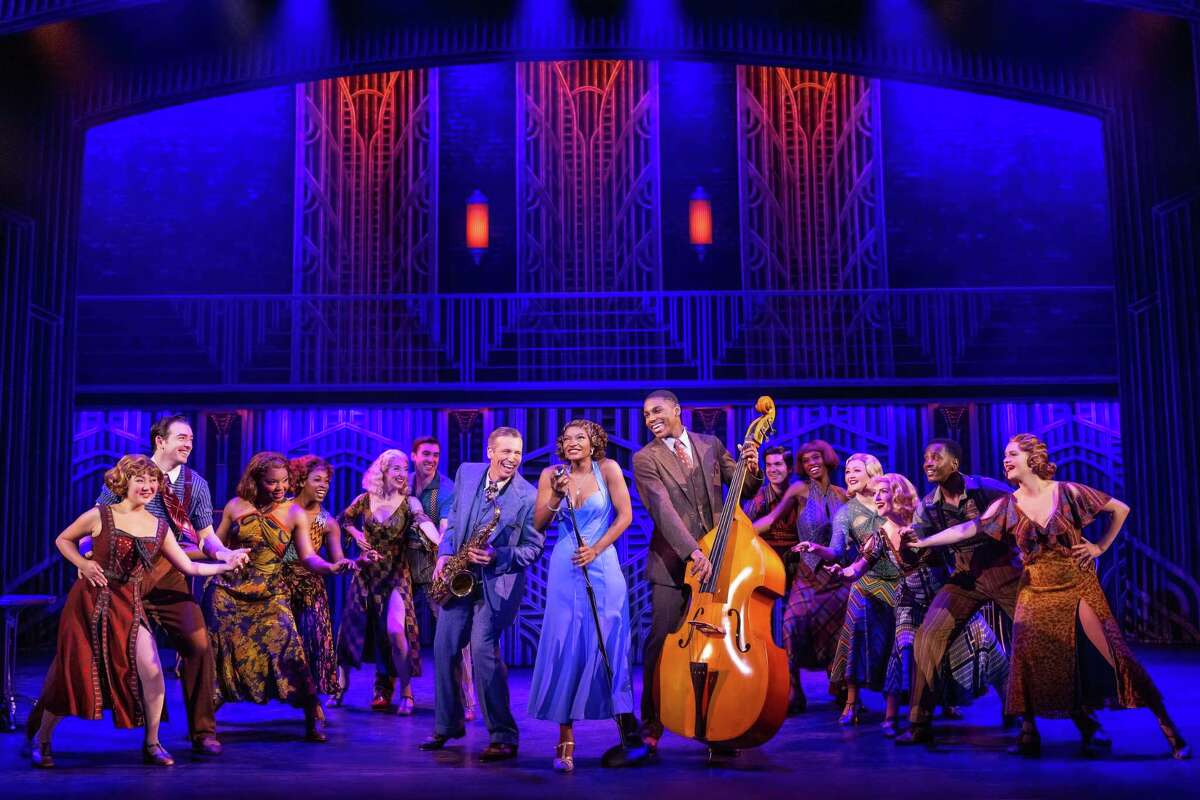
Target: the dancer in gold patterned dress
(257, 645)
(1069, 656)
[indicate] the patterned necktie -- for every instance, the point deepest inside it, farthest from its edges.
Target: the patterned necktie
(491, 491)
(178, 514)
(682, 454)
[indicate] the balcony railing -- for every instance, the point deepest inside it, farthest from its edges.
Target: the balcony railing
(849, 338)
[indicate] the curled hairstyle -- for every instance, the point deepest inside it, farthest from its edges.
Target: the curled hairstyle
(1037, 454)
(247, 487)
(301, 467)
(373, 478)
(904, 494)
(870, 464)
(595, 433)
(129, 467)
(828, 457)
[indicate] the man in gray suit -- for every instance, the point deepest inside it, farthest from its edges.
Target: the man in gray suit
(679, 477)
(480, 618)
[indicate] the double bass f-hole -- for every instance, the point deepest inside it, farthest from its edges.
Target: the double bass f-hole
(739, 631)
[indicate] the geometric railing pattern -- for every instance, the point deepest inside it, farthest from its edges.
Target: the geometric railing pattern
(1084, 440)
(687, 338)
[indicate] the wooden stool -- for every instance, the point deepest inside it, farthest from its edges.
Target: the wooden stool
(13, 604)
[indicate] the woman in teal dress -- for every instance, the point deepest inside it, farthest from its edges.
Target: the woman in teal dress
(569, 678)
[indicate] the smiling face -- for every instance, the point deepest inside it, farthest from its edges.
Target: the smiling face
(504, 456)
(776, 469)
(812, 464)
(856, 477)
(316, 485)
(940, 464)
(426, 459)
(142, 489)
(395, 474)
(663, 418)
(1016, 463)
(174, 449)
(576, 443)
(881, 493)
(274, 484)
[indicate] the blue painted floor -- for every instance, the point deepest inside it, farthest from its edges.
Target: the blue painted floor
(375, 755)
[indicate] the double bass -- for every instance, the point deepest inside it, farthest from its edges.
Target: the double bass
(722, 679)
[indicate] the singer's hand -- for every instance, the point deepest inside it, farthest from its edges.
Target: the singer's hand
(560, 484)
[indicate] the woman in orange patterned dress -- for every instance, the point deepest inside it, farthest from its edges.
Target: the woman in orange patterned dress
(1068, 655)
(106, 658)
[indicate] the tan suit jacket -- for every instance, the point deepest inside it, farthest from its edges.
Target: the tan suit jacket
(667, 494)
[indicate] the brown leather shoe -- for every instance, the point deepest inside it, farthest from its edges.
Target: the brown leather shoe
(919, 733)
(437, 741)
(206, 746)
(41, 756)
(498, 751)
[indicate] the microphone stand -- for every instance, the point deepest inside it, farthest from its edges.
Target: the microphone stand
(620, 755)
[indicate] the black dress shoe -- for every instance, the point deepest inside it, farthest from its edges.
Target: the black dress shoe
(498, 751)
(919, 733)
(438, 741)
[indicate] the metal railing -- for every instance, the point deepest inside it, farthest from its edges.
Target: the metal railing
(901, 336)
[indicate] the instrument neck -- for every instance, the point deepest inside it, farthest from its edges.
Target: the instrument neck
(717, 554)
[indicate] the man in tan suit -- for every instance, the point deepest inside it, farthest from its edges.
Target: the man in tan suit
(679, 477)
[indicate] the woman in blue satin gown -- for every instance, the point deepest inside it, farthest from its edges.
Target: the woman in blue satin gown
(569, 678)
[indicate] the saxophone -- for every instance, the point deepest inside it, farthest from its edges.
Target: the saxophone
(457, 579)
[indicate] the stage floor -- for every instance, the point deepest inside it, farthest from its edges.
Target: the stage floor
(375, 755)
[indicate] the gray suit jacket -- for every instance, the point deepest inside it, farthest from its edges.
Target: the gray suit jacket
(666, 494)
(518, 544)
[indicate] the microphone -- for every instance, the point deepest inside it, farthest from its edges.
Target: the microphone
(559, 471)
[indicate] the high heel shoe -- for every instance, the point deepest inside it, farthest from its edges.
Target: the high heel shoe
(889, 727)
(154, 753)
(1180, 749)
(1028, 744)
(1094, 739)
(314, 727)
(850, 714)
(406, 706)
(564, 756)
(40, 755)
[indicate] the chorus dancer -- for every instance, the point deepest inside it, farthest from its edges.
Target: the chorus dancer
(185, 504)
(493, 539)
(679, 476)
(895, 500)
(869, 623)
(303, 572)
(435, 490)
(106, 657)
(816, 602)
(256, 641)
(570, 679)
(985, 570)
(379, 616)
(1068, 656)
(781, 535)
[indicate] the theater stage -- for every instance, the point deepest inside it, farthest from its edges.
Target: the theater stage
(375, 755)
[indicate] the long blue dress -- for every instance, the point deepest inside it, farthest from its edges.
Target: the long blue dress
(569, 681)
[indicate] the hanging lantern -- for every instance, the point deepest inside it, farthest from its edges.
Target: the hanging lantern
(477, 225)
(700, 221)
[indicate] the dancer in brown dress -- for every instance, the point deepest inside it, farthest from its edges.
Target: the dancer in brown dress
(303, 572)
(816, 602)
(256, 642)
(106, 657)
(379, 613)
(1068, 653)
